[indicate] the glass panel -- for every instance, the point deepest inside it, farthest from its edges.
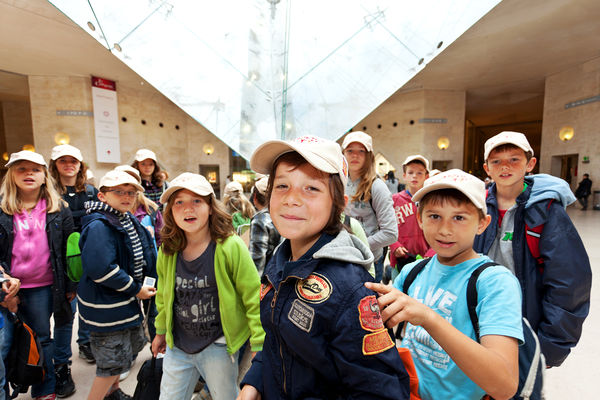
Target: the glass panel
(254, 70)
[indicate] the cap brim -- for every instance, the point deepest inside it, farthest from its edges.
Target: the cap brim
(265, 155)
(164, 198)
(444, 185)
(501, 143)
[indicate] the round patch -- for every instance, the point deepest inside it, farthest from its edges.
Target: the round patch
(314, 289)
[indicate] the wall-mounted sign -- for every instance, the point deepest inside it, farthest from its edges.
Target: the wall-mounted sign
(106, 121)
(582, 102)
(74, 113)
(433, 121)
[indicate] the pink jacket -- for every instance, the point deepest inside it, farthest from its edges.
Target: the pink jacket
(410, 234)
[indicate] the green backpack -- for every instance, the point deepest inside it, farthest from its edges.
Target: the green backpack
(74, 267)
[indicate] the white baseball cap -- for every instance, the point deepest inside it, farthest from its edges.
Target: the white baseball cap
(131, 171)
(66, 150)
(144, 154)
(506, 137)
(358, 137)
(233, 187)
(416, 157)
(323, 154)
(467, 184)
(27, 156)
(193, 182)
(262, 184)
(115, 178)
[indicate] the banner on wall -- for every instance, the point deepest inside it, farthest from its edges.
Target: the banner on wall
(106, 120)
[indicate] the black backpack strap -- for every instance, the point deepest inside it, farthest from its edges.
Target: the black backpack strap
(472, 295)
(410, 278)
(347, 220)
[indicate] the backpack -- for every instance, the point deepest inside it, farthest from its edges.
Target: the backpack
(149, 376)
(73, 256)
(531, 359)
(25, 361)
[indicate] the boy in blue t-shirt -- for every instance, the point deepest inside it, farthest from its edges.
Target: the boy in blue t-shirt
(450, 362)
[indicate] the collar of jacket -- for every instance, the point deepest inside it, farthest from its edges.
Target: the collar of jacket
(305, 265)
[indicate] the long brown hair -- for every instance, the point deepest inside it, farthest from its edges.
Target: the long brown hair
(367, 176)
(80, 181)
(336, 189)
(237, 201)
(157, 178)
(173, 237)
(11, 203)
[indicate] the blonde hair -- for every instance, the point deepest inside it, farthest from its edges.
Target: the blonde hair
(9, 192)
(236, 201)
(142, 200)
(173, 237)
(367, 176)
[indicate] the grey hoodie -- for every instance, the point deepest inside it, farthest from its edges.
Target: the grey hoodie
(347, 248)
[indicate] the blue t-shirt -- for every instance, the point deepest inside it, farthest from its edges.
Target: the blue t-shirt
(443, 288)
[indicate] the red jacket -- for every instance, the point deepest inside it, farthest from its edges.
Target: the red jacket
(410, 234)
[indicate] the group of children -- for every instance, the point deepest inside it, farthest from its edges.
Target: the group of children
(314, 320)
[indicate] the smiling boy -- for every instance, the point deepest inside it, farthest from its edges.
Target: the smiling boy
(450, 362)
(528, 215)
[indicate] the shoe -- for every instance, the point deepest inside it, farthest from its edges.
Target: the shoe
(46, 397)
(124, 375)
(64, 382)
(118, 395)
(85, 353)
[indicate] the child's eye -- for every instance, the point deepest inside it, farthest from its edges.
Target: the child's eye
(281, 186)
(433, 216)
(197, 202)
(459, 218)
(178, 202)
(313, 189)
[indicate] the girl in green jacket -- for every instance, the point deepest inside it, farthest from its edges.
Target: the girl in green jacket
(208, 293)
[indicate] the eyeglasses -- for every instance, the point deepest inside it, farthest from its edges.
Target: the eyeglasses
(122, 193)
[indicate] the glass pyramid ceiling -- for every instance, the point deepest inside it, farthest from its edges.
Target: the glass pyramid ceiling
(254, 70)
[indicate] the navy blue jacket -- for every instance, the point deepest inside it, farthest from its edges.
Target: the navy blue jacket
(107, 289)
(556, 301)
(59, 226)
(315, 341)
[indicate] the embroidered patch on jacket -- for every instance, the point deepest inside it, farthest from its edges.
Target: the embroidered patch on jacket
(375, 343)
(302, 315)
(264, 289)
(369, 315)
(314, 289)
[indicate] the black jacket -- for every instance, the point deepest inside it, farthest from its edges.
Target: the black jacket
(59, 225)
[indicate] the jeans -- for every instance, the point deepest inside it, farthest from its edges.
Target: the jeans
(182, 370)
(62, 339)
(35, 310)
(583, 200)
(379, 269)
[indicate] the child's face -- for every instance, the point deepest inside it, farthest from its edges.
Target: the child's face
(414, 176)
(450, 229)
(146, 167)
(356, 154)
(191, 212)
(300, 204)
(68, 166)
(508, 167)
(121, 197)
(28, 175)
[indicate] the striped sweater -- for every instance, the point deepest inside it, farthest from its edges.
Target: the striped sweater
(111, 278)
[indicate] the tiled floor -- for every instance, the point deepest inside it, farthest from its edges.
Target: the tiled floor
(578, 378)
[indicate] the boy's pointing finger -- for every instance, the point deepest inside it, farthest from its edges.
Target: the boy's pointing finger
(378, 287)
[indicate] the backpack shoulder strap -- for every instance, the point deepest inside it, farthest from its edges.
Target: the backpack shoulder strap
(412, 275)
(472, 295)
(347, 220)
(532, 237)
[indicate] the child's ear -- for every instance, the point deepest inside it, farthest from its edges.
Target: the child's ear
(483, 224)
(486, 169)
(531, 164)
(419, 219)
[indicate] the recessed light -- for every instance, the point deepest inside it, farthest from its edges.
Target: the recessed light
(91, 26)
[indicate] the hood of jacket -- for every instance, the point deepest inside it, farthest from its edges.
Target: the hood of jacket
(347, 248)
(546, 187)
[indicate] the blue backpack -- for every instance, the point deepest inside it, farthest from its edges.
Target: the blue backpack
(531, 359)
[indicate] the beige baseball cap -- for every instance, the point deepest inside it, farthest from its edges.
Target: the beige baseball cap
(262, 184)
(467, 184)
(506, 137)
(66, 150)
(115, 178)
(131, 171)
(416, 157)
(193, 182)
(26, 155)
(323, 154)
(144, 154)
(233, 187)
(358, 137)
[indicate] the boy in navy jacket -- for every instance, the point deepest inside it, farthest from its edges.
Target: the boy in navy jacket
(116, 254)
(556, 287)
